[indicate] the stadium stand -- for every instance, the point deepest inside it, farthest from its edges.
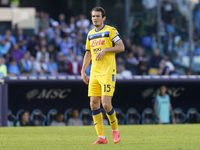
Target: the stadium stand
(11, 118)
(193, 116)
(86, 116)
(179, 115)
(132, 116)
(120, 116)
(67, 114)
(148, 116)
(51, 116)
(38, 118)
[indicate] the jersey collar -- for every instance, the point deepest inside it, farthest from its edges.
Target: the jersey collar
(100, 29)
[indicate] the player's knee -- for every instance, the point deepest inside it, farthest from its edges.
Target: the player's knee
(106, 107)
(94, 105)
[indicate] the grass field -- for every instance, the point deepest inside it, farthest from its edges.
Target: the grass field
(138, 137)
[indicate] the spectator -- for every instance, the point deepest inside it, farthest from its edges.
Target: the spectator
(72, 24)
(25, 120)
(9, 37)
(154, 62)
(51, 50)
(62, 21)
(183, 6)
(59, 120)
(44, 22)
(75, 121)
(20, 35)
(32, 43)
(83, 24)
(150, 9)
(41, 67)
(23, 45)
(13, 68)
(52, 66)
(17, 54)
(3, 68)
(25, 65)
(63, 67)
(74, 66)
(163, 107)
(167, 11)
(197, 17)
(151, 28)
(52, 31)
(120, 64)
(65, 46)
(4, 47)
(143, 66)
(42, 54)
(163, 69)
(132, 63)
(70, 56)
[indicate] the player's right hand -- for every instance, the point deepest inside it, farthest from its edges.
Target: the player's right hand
(159, 121)
(84, 77)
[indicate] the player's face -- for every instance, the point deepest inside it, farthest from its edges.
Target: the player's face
(97, 18)
(163, 90)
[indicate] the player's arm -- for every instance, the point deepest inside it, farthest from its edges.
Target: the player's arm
(172, 114)
(119, 47)
(86, 62)
(155, 111)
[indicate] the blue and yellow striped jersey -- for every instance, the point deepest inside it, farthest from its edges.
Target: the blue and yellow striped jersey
(96, 41)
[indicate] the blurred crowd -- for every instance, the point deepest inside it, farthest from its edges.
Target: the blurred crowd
(58, 46)
(143, 56)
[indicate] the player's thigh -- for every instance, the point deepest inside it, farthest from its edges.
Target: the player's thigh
(107, 84)
(94, 88)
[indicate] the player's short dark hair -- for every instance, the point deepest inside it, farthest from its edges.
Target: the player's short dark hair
(99, 9)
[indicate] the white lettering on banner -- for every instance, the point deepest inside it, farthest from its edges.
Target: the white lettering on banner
(31, 94)
(48, 94)
(174, 92)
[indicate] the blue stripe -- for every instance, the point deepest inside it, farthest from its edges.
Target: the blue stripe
(113, 77)
(96, 112)
(98, 34)
(100, 29)
(111, 112)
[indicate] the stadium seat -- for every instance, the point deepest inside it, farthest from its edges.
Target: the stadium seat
(86, 116)
(132, 116)
(11, 118)
(51, 116)
(148, 116)
(193, 116)
(18, 115)
(38, 118)
(120, 116)
(179, 115)
(67, 114)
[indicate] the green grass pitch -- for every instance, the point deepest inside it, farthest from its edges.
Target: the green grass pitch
(133, 137)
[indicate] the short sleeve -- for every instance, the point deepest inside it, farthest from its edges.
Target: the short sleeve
(155, 102)
(114, 35)
(87, 46)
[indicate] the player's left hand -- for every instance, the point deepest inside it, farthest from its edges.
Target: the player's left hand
(100, 54)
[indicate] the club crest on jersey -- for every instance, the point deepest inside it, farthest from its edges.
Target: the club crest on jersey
(97, 43)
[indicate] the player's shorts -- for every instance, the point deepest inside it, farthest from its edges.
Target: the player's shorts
(102, 85)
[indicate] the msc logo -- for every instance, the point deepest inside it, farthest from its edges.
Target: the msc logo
(96, 50)
(97, 43)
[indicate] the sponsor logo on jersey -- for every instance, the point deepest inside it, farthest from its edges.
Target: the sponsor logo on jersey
(97, 43)
(96, 50)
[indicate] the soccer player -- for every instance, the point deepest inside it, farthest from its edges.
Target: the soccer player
(101, 45)
(163, 107)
